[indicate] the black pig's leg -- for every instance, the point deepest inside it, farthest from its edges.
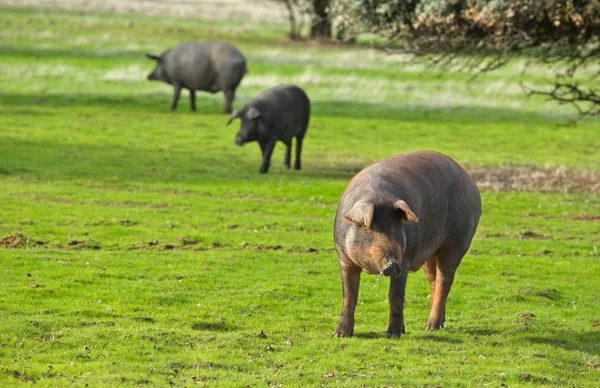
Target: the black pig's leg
(176, 96)
(298, 164)
(192, 99)
(267, 150)
(229, 97)
(288, 154)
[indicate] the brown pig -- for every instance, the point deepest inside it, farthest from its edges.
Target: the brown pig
(414, 210)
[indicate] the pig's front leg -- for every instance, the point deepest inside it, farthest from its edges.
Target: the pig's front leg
(350, 282)
(267, 150)
(396, 300)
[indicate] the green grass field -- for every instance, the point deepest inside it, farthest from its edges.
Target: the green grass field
(141, 247)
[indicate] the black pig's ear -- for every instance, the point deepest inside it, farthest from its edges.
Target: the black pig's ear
(407, 214)
(152, 56)
(361, 213)
(234, 115)
(252, 113)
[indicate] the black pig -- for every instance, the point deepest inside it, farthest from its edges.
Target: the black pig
(414, 210)
(208, 66)
(280, 113)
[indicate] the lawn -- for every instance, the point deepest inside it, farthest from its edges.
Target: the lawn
(141, 246)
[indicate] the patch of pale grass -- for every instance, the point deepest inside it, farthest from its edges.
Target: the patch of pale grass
(127, 73)
(255, 10)
(262, 81)
(82, 40)
(340, 59)
(430, 93)
(133, 46)
(46, 34)
(501, 87)
(28, 72)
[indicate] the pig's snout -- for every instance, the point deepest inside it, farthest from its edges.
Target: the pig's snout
(392, 269)
(239, 141)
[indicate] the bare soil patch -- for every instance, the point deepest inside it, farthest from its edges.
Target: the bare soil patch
(583, 217)
(18, 240)
(535, 179)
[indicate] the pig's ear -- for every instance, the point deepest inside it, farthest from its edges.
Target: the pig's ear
(152, 56)
(252, 113)
(234, 115)
(361, 213)
(408, 214)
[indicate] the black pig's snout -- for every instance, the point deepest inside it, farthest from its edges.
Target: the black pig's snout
(392, 269)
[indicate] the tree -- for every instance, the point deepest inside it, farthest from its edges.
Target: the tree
(316, 13)
(321, 25)
(482, 35)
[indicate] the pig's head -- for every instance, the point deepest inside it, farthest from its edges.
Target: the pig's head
(252, 127)
(376, 238)
(159, 73)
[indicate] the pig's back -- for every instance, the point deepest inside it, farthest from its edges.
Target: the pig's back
(441, 194)
(190, 64)
(287, 106)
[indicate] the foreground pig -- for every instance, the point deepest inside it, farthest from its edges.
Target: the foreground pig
(209, 66)
(280, 113)
(414, 210)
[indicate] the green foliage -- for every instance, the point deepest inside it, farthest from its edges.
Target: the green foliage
(141, 247)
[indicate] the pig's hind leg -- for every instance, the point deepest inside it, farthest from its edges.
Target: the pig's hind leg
(430, 268)
(440, 269)
(288, 154)
(298, 163)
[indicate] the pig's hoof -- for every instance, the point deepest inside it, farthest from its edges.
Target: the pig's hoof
(343, 333)
(389, 334)
(434, 326)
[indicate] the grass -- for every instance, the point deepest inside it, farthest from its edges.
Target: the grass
(145, 249)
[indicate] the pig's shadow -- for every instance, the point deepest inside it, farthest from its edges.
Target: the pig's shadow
(428, 337)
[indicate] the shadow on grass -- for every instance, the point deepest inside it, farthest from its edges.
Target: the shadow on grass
(431, 336)
(588, 341)
(45, 53)
(575, 340)
(212, 326)
(160, 102)
(428, 337)
(370, 335)
(46, 161)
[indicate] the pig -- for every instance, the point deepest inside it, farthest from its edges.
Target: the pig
(280, 113)
(414, 210)
(207, 66)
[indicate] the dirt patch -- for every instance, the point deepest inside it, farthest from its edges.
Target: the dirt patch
(532, 235)
(535, 179)
(525, 318)
(82, 244)
(583, 217)
(18, 240)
